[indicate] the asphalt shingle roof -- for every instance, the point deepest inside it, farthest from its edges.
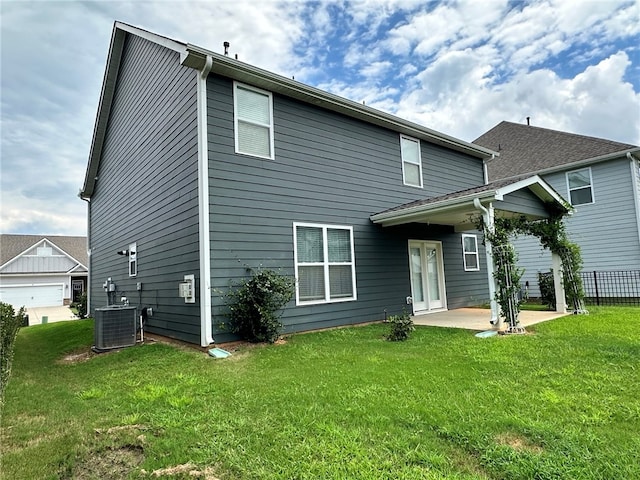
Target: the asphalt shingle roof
(13, 245)
(526, 149)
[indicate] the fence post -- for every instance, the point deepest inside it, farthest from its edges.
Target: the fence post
(595, 282)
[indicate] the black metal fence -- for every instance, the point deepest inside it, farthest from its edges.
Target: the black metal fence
(612, 287)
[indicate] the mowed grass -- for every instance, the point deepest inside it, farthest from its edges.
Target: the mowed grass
(560, 402)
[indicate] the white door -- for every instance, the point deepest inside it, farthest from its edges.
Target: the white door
(427, 276)
(32, 295)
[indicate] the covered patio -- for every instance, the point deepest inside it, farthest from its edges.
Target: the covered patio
(526, 197)
(478, 318)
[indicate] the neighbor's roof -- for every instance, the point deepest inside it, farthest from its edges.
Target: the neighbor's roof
(13, 245)
(195, 57)
(525, 149)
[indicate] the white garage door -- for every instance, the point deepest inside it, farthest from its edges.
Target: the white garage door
(32, 296)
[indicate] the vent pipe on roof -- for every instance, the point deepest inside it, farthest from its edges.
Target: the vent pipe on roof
(226, 48)
(528, 123)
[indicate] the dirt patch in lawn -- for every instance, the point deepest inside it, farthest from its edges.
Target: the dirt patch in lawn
(518, 442)
(184, 470)
(109, 464)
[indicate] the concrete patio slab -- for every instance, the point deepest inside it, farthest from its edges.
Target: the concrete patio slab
(478, 318)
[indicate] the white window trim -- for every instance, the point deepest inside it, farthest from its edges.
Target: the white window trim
(235, 120)
(465, 253)
(133, 260)
(325, 263)
(569, 189)
(417, 140)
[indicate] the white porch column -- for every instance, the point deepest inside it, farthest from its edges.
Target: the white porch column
(488, 217)
(558, 284)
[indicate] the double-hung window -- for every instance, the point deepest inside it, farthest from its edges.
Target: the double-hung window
(253, 121)
(324, 263)
(411, 161)
(580, 185)
(470, 253)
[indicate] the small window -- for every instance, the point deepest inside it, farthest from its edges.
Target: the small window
(133, 260)
(470, 253)
(580, 186)
(411, 161)
(253, 121)
(324, 263)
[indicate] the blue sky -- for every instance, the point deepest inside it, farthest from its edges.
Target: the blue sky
(456, 67)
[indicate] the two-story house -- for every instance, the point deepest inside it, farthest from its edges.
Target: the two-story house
(202, 167)
(599, 177)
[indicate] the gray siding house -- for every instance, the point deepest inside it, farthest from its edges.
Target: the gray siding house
(599, 177)
(203, 167)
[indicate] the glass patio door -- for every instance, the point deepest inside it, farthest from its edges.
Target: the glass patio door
(427, 275)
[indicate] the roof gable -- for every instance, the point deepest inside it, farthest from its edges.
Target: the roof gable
(526, 149)
(72, 249)
(196, 57)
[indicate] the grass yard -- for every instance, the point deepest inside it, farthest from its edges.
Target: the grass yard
(561, 402)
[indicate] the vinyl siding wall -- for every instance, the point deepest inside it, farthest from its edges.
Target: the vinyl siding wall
(607, 230)
(328, 169)
(146, 190)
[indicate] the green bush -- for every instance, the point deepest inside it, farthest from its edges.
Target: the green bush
(255, 305)
(547, 289)
(10, 323)
(81, 306)
(401, 327)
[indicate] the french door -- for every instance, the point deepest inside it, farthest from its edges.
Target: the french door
(427, 276)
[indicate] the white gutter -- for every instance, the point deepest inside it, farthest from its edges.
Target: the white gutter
(206, 337)
(635, 176)
(487, 216)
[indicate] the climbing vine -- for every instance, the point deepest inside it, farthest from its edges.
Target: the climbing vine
(552, 234)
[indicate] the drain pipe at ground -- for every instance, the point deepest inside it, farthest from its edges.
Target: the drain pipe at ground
(487, 216)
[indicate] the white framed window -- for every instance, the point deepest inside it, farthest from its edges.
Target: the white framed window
(324, 263)
(253, 121)
(580, 186)
(133, 260)
(470, 253)
(411, 161)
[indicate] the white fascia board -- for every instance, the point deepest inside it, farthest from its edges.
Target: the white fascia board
(404, 215)
(539, 187)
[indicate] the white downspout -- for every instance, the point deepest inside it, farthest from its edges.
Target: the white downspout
(487, 216)
(635, 175)
(206, 337)
(485, 169)
(88, 292)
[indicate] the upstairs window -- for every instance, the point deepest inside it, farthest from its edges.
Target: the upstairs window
(253, 121)
(411, 161)
(580, 185)
(324, 263)
(470, 253)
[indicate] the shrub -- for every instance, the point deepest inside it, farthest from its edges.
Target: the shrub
(255, 305)
(401, 327)
(10, 323)
(547, 289)
(81, 306)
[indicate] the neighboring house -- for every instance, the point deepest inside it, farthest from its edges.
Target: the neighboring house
(42, 270)
(599, 177)
(203, 167)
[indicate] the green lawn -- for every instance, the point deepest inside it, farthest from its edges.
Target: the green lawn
(561, 402)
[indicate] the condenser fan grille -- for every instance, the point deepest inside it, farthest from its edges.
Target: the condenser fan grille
(115, 327)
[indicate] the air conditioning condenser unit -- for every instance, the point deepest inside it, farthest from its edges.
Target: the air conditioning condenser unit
(115, 327)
